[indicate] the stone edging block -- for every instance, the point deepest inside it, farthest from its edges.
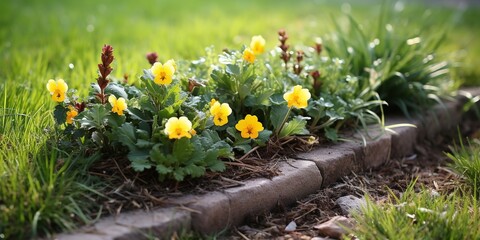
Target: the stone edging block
(217, 211)
(134, 225)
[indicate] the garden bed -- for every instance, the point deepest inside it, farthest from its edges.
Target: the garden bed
(299, 176)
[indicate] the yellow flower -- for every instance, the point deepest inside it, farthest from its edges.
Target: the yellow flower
(163, 73)
(298, 97)
(249, 127)
(118, 105)
(178, 128)
(220, 113)
(257, 44)
(71, 114)
(57, 89)
(213, 101)
(248, 55)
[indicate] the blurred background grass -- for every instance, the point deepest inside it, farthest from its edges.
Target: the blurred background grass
(44, 39)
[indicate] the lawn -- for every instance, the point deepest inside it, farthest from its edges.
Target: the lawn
(42, 40)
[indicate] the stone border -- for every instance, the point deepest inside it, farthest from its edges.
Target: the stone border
(305, 174)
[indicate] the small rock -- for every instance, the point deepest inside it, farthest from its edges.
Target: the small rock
(292, 226)
(335, 227)
(434, 193)
(350, 204)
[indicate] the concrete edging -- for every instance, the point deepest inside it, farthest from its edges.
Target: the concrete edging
(305, 174)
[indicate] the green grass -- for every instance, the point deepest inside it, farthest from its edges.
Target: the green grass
(419, 215)
(39, 39)
(466, 161)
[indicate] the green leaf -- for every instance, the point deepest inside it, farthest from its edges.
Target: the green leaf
(179, 174)
(277, 114)
(117, 90)
(331, 134)
(183, 149)
(138, 155)
(126, 135)
(194, 170)
(293, 127)
(263, 137)
(213, 162)
(95, 117)
(60, 114)
(114, 120)
(141, 165)
(232, 69)
(163, 170)
(137, 114)
(141, 143)
(243, 147)
(262, 99)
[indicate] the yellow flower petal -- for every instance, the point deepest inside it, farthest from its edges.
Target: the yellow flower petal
(177, 128)
(163, 73)
(220, 113)
(71, 114)
(297, 97)
(249, 127)
(257, 45)
(51, 86)
(58, 89)
(112, 100)
(118, 105)
(248, 55)
(62, 85)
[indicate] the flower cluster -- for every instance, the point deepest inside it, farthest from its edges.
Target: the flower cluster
(184, 121)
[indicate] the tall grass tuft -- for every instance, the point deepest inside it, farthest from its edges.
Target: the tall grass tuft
(394, 58)
(421, 215)
(466, 161)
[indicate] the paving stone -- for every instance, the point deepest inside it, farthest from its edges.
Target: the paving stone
(377, 151)
(297, 180)
(159, 222)
(134, 225)
(372, 148)
(442, 119)
(211, 213)
(405, 138)
(333, 162)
